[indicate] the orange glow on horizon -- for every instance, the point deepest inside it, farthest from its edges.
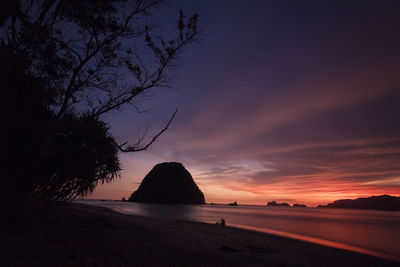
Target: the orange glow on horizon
(289, 191)
(356, 168)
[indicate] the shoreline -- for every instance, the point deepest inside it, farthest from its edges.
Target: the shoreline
(83, 234)
(368, 250)
(321, 242)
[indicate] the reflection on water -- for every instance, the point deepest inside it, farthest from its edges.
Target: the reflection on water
(365, 231)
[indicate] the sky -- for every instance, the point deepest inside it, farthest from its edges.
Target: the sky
(292, 101)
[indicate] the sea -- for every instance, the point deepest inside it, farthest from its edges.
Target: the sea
(365, 231)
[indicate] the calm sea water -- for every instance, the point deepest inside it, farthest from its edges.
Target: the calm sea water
(366, 231)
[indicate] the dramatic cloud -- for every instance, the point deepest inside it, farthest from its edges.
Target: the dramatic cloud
(290, 101)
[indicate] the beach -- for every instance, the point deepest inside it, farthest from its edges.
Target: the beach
(83, 235)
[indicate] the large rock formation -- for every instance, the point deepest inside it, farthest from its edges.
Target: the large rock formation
(384, 202)
(168, 183)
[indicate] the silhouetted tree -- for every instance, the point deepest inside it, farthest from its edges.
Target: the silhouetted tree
(73, 61)
(25, 118)
(48, 158)
(81, 154)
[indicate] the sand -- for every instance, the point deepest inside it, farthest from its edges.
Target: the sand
(83, 235)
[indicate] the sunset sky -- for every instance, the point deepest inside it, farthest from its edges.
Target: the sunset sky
(292, 101)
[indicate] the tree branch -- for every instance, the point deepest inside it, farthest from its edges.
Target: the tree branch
(70, 91)
(137, 149)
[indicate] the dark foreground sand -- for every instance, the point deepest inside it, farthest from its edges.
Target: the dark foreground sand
(82, 235)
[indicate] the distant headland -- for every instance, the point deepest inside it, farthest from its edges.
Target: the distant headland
(168, 183)
(383, 202)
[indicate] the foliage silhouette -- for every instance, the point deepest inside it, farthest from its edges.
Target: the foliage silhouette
(81, 154)
(64, 65)
(48, 158)
(25, 117)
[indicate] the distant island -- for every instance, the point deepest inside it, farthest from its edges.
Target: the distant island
(383, 202)
(233, 204)
(275, 204)
(168, 183)
(299, 206)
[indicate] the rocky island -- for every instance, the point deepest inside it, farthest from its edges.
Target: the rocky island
(168, 183)
(299, 206)
(233, 204)
(274, 204)
(383, 202)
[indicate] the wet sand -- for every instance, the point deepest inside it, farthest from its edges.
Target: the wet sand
(83, 235)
